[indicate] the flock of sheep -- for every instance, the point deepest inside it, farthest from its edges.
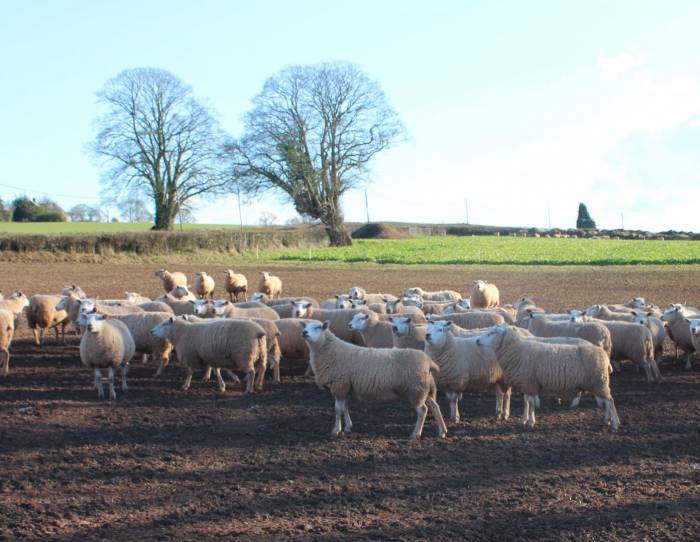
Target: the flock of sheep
(372, 346)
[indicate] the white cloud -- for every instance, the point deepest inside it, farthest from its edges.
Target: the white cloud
(617, 65)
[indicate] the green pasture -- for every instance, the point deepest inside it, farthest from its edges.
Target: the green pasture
(501, 250)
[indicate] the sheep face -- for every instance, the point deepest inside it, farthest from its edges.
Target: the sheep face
(20, 295)
(179, 292)
(593, 310)
(343, 301)
(672, 313)
(694, 324)
(575, 315)
(257, 296)
(63, 304)
(465, 303)
(86, 305)
(480, 285)
(162, 330)
(392, 306)
(160, 273)
(355, 292)
(201, 307)
(493, 338)
(359, 322)
(219, 307)
(300, 309)
(313, 332)
(638, 302)
(93, 322)
(437, 332)
(357, 303)
(401, 325)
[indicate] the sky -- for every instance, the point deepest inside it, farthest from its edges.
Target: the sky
(515, 110)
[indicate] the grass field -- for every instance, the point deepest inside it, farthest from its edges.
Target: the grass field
(502, 250)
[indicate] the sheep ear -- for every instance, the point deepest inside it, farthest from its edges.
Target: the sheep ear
(649, 313)
(385, 299)
(448, 324)
(325, 325)
(337, 297)
(172, 319)
(687, 320)
(634, 312)
(191, 301)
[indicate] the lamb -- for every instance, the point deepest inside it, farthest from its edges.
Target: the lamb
(678, 330)
(534, 367)
(204, 285)
(171, 280)
(7, 331)
(270, 285)
(471, 320)
(135, 298)
(16, 304)
(235, 284)
(633, 342)
(464, 365)
(594, 332)
(484, 295)
(230, 344)
(398, 307)
(140, 326)
(226, 309)
(338, 318)
(106, 344)
(374, 375)
(407, 334)
(375, 333)
(442, 295)
(42, 315)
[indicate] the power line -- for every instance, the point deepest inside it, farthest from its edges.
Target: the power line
(53, 194)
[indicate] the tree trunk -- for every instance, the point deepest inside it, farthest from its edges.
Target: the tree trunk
(337, 234)
(165, 218)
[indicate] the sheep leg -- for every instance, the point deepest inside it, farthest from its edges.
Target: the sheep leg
(161, 366)
(499, 402)
(249, 381)
(534, 399)
(647, 370)
(339, 412)
(63, 334)
(275, 370)
(220, 380)
(610, 413)
(144, 358)
(422, 412)
(259, 375)
(233, 376)
(124, 370)
(454, 406)
(688, 362)
(207, 375)
(346, 415)
(188, 379)
(5, 365)
(309, 371)
(655, 370)
(110, 375)
(617, 366)
(526, 409)
(98, 384)
(576, 400)
(55, 330)
(506, 403)
(435, 413)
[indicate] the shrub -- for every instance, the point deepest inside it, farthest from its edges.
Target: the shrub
(50, 216)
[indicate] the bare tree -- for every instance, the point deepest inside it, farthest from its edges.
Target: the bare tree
(267, 218)
(156, 139)
(133, 209)
(311, 135)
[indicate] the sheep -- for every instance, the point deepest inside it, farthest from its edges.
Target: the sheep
(630, 341)
(412, 301)
(523, 306)
(470, 320)
(171, 280)
(442, 295)
(16, 304)
(292, 345)
(433, 307)
(603, 312)
(357, 292)
(484, 295)
(270, 285)
(136, 299)
(235, 284)
(559, 369)
(7, 331)
(338, 318)
(108, 344)
(678, 330)
(87, 304)
(341, 301)
(140, 326)
(180, 292)
(42, 315)
(464, 365)
(594, 332)
(178, 306)
(222, 343)
(398, 307)
(155, 306)
(406, 334)
(77, 290)
(263, 298)
(658, 331)
(226, 309)
(204, 285)
(693, 326)
(375, 333)
(373, 375)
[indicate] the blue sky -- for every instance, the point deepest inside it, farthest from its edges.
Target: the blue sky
(517, 107)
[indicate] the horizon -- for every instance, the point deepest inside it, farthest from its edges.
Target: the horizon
(549, 103)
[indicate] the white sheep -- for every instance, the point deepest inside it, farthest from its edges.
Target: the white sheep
(292, 344)
(594, 332)
(338, 318)
(270, 285)
(375, 333)
(204, 285)
(484, 295)
(374, 375)
(77, 290)
(106, 344)
(437, 308)
(145, 343)
(657, 328)
(226, 309)
(179, 292)
(235, 284)
(179, 306)
(135, 298)
(342, 301)
(222, 343)
(463, 365)
(155, 306)
(356, 292)
(694, 328)
(398, 307)
(42, 314)
(536, 367)
(171, 280)
(678, 330)
(16, 304)
(407, 334)
(441, 295)
(7, 331)
(471, 320)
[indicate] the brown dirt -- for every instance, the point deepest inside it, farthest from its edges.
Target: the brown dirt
(379, 230)
(163, 464)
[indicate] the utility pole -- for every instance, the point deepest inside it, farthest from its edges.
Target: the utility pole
(466, 209)
(549, 218)
(240, 213)
(622, 220)
(366, 206)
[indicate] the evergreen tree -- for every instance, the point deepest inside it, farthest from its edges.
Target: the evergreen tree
(584, 220)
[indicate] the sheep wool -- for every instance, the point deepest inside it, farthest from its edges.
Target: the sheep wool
(484, 295)
(171, 280)
(270, 285)
(375, 333)
(7, 331)
(235, 284)
(42, 314)
(145, 343)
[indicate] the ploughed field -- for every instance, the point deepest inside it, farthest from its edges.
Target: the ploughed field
(160, 463)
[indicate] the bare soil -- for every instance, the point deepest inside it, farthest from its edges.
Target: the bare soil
(160, 464)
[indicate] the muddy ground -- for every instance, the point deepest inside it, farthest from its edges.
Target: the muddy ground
(161, 464)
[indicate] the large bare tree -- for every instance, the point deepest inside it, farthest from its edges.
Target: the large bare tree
(311, 134)
(156, 139)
